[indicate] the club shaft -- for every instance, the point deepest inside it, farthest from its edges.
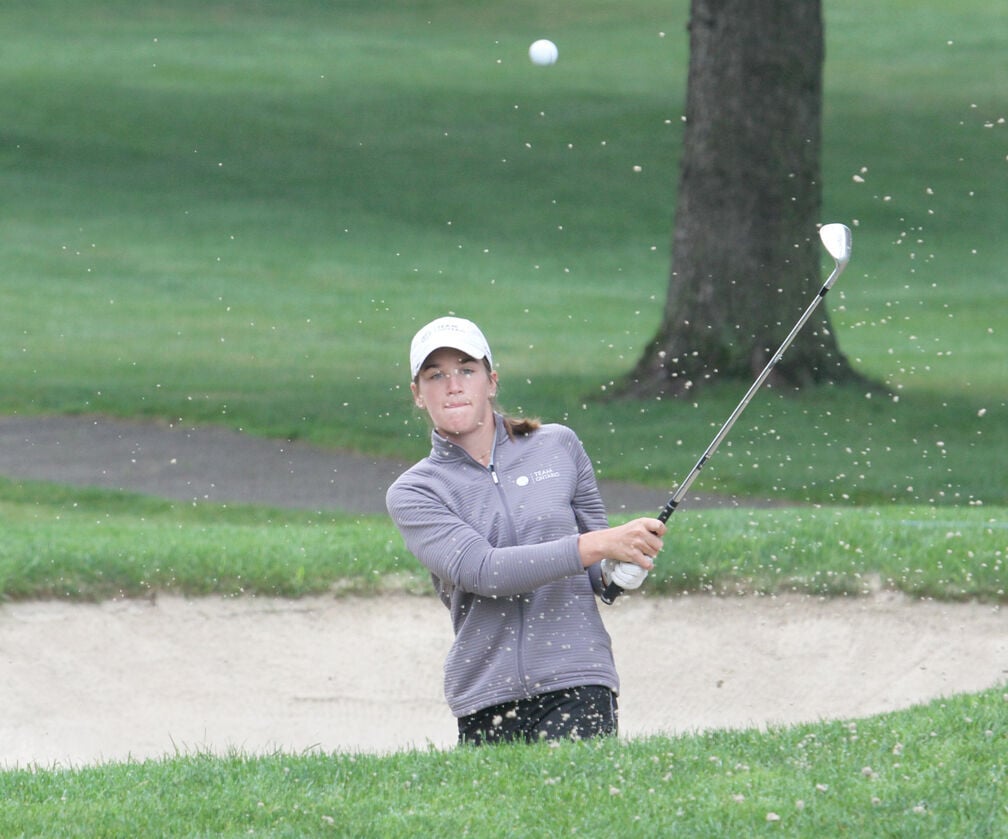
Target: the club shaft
(683, 488)
(837, 239)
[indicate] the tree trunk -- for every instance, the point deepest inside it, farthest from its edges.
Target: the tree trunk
(746, 256)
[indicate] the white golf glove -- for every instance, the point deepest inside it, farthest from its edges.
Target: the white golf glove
(625, 574)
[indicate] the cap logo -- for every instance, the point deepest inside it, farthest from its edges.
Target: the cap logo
(457, 333)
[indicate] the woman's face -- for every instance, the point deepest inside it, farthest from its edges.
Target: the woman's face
(456, 391)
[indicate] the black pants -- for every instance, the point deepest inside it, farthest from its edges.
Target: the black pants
(575, 713)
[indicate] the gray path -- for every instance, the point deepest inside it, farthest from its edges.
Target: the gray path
(184, 463)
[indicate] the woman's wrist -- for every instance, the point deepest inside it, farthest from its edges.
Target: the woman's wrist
(590, 548)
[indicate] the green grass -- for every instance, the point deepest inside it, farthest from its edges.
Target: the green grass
(239, 213)
(935, 770)
(92, 545)
(240, 217)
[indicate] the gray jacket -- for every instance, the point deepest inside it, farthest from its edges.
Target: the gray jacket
(501, 546)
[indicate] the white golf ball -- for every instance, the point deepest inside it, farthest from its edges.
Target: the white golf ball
(543, 52)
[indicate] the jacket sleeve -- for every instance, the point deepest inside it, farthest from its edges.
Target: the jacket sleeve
(456, 552)
(589, 508)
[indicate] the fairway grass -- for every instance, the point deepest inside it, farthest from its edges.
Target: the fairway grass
(240, 219)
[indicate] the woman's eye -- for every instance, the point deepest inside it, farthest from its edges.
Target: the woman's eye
(438, 375)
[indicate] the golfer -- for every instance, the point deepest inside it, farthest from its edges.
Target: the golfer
(506, 515)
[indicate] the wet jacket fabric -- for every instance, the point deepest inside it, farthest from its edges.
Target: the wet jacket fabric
(501, 546)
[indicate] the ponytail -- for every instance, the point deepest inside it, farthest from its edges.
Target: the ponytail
(520, 426)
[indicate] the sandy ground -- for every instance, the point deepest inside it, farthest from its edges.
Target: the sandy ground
(90, 683)
(139, 679)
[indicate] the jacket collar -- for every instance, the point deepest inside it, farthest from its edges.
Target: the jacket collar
(443, 449)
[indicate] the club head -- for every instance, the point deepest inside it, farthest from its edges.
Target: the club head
(837, 240)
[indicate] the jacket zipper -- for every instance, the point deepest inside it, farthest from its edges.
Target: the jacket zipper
(520, 638)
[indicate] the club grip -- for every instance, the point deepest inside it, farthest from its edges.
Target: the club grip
(610, 593)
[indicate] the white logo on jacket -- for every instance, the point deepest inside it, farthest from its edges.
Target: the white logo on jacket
(536, 477)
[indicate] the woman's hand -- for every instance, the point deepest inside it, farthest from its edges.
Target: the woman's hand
(638, 542)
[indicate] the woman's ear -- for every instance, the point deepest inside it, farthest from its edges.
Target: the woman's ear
(417, 398)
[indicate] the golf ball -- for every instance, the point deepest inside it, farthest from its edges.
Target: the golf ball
(543, 52)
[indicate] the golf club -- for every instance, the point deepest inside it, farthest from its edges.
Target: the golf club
(836, 238)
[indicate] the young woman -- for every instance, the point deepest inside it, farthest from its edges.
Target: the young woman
(506, 515)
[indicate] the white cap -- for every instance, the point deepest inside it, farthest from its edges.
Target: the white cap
(457, 333)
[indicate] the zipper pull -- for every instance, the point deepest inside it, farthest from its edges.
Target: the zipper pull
(493, 475)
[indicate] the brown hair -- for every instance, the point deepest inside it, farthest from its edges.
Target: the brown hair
(520, 426)
(514, 426)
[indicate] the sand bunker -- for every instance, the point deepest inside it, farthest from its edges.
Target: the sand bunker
(140, 679)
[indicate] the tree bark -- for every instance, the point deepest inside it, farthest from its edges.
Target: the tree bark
(746, 256)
